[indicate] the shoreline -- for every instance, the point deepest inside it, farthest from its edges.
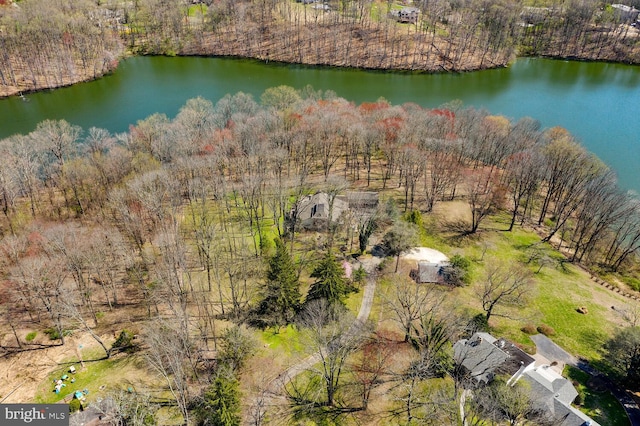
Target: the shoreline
(7, 92)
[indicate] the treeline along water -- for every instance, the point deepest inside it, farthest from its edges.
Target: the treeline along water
(597, 102)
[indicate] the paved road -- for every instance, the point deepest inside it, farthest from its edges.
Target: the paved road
(553, 352)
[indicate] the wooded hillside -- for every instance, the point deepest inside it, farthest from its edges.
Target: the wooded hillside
(189, 226)
(445, 35)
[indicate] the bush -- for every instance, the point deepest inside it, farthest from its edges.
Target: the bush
(546, 330)
(478, 323)
(384, 264)
(529, 329)
(125, 342)
(359, 275)
(580, 397)
(414, 217)
(632, 282)
(31, 336)
(457, 272)
(74, 405)
(238, 345)
(53, 333)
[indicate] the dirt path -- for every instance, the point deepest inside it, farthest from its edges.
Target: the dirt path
(274, 392)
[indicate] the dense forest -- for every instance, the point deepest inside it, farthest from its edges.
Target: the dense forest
(188, 227)
(54, 43)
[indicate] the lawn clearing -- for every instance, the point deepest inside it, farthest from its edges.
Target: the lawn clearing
(97, 376)
(560, 287)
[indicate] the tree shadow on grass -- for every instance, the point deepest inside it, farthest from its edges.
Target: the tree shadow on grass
(458, 232)
(12, 350)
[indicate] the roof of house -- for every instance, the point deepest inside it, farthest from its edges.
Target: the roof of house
(548, 384)
(409, 9)
(316, 206)
(554, 394)
(517, 357)
(479, 356)
(362, 198)
(484, 356)
(571, 416)
(623, 7)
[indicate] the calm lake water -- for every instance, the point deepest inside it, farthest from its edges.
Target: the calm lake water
(597, 102)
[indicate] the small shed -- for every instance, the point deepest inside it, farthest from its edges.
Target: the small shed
(430, 273)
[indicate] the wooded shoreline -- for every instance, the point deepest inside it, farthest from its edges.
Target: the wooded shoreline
(46, 46)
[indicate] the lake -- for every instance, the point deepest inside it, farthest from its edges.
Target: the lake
(597, 102)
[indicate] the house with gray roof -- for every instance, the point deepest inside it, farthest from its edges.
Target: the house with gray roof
(313, 211)
(625, 13)
(406, 15)
(553, 394)
(367, 200)
(483, 357)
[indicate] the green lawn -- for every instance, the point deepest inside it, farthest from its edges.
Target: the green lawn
(286, 341)
(95, 377)
(560, 287)
(600, 406)
(197, 10)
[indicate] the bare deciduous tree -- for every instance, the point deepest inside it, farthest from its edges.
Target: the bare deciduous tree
(504, 285)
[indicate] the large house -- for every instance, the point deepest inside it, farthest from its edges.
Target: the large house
(367, 200)
(553, 394)
(483, 357)
(625, 13)
(313, 211)
(406, 15)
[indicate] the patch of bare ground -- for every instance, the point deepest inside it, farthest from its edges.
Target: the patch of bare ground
(24, 372)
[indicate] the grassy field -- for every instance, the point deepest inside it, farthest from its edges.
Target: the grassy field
(559, 289)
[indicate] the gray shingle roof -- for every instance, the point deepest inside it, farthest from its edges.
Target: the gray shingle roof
(553, 394)
(479, 356)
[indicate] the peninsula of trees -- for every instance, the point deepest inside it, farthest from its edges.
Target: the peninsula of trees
(47, 44)
(183, 232)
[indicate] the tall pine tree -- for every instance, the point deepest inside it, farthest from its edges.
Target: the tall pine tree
(330, 284)
(281, 297)
(221, 402)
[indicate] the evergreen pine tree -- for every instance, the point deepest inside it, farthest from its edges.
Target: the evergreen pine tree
(330, 284)
(281, 295)
(221, 406)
